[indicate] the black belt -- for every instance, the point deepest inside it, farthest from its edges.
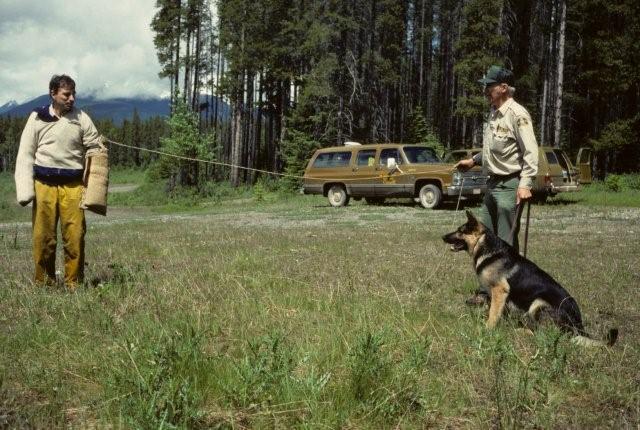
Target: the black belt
(505, 177)
(56, 176)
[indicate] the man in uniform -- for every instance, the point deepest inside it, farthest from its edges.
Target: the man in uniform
(49, 170)
(509, 156)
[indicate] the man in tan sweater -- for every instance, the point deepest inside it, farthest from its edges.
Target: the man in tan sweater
(49, 170)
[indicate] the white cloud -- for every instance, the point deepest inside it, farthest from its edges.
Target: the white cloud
(106, 46)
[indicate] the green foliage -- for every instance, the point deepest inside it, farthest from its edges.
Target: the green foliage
(157, 384)
(420, 132)
(10, 132)
(184, 140)
(632, 182)
(261, 317)
(616, 135)
(369, 366)
(10, 210)
(618, 183)
(297, 149)
(266, 186)
(262, 373)
(613, 182)
(480, 40)
(165, 25)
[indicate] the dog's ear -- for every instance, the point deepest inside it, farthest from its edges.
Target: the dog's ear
(471, 219)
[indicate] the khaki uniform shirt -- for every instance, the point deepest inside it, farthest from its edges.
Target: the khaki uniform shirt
(509, 144)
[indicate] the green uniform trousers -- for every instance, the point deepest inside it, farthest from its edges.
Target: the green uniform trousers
(53, 203)
(499, 207)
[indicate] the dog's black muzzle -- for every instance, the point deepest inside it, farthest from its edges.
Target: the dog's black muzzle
(457, 243)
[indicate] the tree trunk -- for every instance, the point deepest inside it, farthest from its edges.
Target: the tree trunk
(258, 131)
(176, 64)
(195, 101)
(546, 89)
(187, 64)
(560, 74)
(236, 132)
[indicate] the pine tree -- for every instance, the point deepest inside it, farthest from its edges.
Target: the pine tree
(480, 42)
(185, 140)
(421, 132)
(166, 25)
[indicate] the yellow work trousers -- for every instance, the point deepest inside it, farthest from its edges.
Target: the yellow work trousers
(61, 202)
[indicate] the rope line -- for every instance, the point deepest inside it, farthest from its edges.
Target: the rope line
(220, 163)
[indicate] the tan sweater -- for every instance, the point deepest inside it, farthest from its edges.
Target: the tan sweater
(51, 142)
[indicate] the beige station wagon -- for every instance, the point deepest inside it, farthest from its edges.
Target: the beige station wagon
(556, 173)
(379, 171)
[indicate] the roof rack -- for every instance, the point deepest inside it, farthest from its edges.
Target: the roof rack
(349, 143)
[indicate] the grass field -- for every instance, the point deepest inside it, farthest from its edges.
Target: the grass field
(278, 312)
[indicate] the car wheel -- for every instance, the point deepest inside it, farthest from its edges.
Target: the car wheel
(540, 198)
(374, 200)
(430, 196)
(337, 196)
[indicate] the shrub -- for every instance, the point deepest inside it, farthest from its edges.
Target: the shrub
(157, 381)
(262, 373)
(613, 183)
(632, 182)
(297, 149)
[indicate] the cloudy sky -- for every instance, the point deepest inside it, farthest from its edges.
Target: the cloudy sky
(106, 46)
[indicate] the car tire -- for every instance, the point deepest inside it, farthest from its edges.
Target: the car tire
(337, 196)
(430, 196)
(540, 198)
(374, 200)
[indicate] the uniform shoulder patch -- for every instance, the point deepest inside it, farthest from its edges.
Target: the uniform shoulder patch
(523, 122)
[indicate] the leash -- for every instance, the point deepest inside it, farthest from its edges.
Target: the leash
(268, 172)
(526, 227)
(516, 221)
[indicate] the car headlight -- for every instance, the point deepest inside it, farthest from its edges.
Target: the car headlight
(457, 178)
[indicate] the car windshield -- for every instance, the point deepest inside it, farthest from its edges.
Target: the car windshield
(420, 154)
(455, 156)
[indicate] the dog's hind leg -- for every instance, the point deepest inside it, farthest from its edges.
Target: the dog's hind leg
(539, 311)
(499, 294)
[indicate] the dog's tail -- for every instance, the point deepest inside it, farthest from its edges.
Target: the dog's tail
(585, 340)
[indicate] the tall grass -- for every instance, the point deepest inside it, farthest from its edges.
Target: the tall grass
(293, 314)
(615, 190)
(290, 314)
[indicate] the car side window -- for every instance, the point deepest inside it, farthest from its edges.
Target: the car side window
(332, 159)
(387, 153)
(366, 157)
(551, 157)
(561, 159)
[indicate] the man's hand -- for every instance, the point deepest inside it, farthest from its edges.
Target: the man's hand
(465, 165)
(523, 194)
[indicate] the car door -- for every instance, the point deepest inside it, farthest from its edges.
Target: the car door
(583, 164)
(554, 169)
(569, 173)
(364, 174)
(391, 182)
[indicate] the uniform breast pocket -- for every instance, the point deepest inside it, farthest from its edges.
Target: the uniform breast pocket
(500, 141)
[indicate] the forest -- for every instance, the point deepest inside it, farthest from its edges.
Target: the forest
(261, 84)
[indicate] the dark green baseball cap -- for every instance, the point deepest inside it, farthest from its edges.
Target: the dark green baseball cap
(497, 75)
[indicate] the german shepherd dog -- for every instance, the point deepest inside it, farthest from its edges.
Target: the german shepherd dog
(514, 281)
